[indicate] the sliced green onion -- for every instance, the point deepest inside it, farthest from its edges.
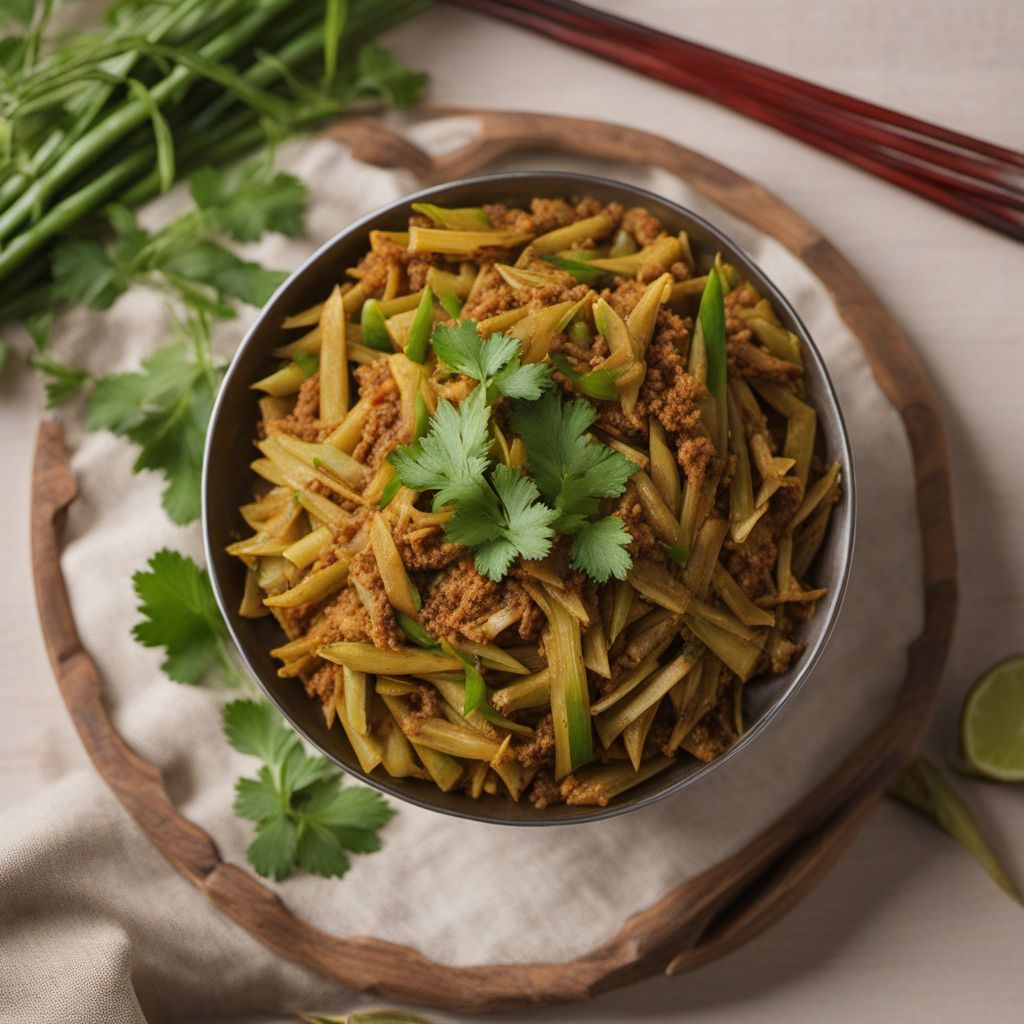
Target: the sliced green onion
(596, 383)
(391, 488)
(307, 362)
(374, 327)
(415, 632)
(419, 333)
(712, 322)
(421, 419)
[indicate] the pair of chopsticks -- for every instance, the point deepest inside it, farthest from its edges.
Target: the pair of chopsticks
(969, 176)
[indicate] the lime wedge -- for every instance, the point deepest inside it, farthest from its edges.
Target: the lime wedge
(992, 725)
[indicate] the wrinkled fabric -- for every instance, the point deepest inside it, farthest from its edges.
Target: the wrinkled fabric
(92, 917)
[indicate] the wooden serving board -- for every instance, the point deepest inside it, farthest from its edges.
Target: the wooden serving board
(708, 915)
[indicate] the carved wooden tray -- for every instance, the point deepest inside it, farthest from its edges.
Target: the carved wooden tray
(708, 915)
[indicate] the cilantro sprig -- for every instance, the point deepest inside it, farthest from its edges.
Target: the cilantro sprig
(498, 512)
(304, 817)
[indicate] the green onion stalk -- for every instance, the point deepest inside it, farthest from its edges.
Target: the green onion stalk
(166, 89)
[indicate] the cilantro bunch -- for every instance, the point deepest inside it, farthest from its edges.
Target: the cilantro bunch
(304, 817)
(498, 512)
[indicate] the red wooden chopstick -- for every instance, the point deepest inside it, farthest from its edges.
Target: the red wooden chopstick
(972, 177)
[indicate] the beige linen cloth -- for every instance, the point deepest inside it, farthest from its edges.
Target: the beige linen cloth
(96, 927)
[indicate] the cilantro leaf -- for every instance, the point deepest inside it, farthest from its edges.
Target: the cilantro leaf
(573, 473)
(247, 201)
(63, 381)
(599, 549)
(180, 614)
(256, 799)
(452, 457)
(379, 74)
(254, 727)
(272, 852)
(211, 264)
(571, 470)
(164, 410)
(304, 818)
(464, 350)
(524, 382)
(83, 272)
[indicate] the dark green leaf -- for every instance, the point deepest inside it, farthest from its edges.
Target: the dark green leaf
(63, 381)
(180, 614)
(164, 410)
(83, 273)
(272, 852)
(255, 727)
(258, 799)
(378, 74)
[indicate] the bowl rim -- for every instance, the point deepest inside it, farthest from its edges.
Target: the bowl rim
(828, 616)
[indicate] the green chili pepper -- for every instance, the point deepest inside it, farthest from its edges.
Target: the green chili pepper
(422, 325)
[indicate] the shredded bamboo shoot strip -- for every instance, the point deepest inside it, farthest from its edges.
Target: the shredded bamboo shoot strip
(396, 581)
(447, 242)
(285, 381)
(737, 601)
(610, 724)
(634, 736)
(367, 658)
(572, 234)
(599, 785)
(816, 494)
(532, 691)
(738, 655)
(355, 694)
(664, 469)
(629, 682)
(367, 748)
(659, 515)
(333, 360)
(313, 587)
(570, 701)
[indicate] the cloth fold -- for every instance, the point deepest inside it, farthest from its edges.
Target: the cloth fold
(82, 889)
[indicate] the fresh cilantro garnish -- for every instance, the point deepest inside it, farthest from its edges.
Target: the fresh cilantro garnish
(494, 362)
(180, 614)
(164, 409)
(498, 515)
(595, 383)
(304, 818)
(573, 473)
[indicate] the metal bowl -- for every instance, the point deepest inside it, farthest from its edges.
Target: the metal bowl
(227, 483)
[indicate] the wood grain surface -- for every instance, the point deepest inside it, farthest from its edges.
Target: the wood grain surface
(710, 914)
